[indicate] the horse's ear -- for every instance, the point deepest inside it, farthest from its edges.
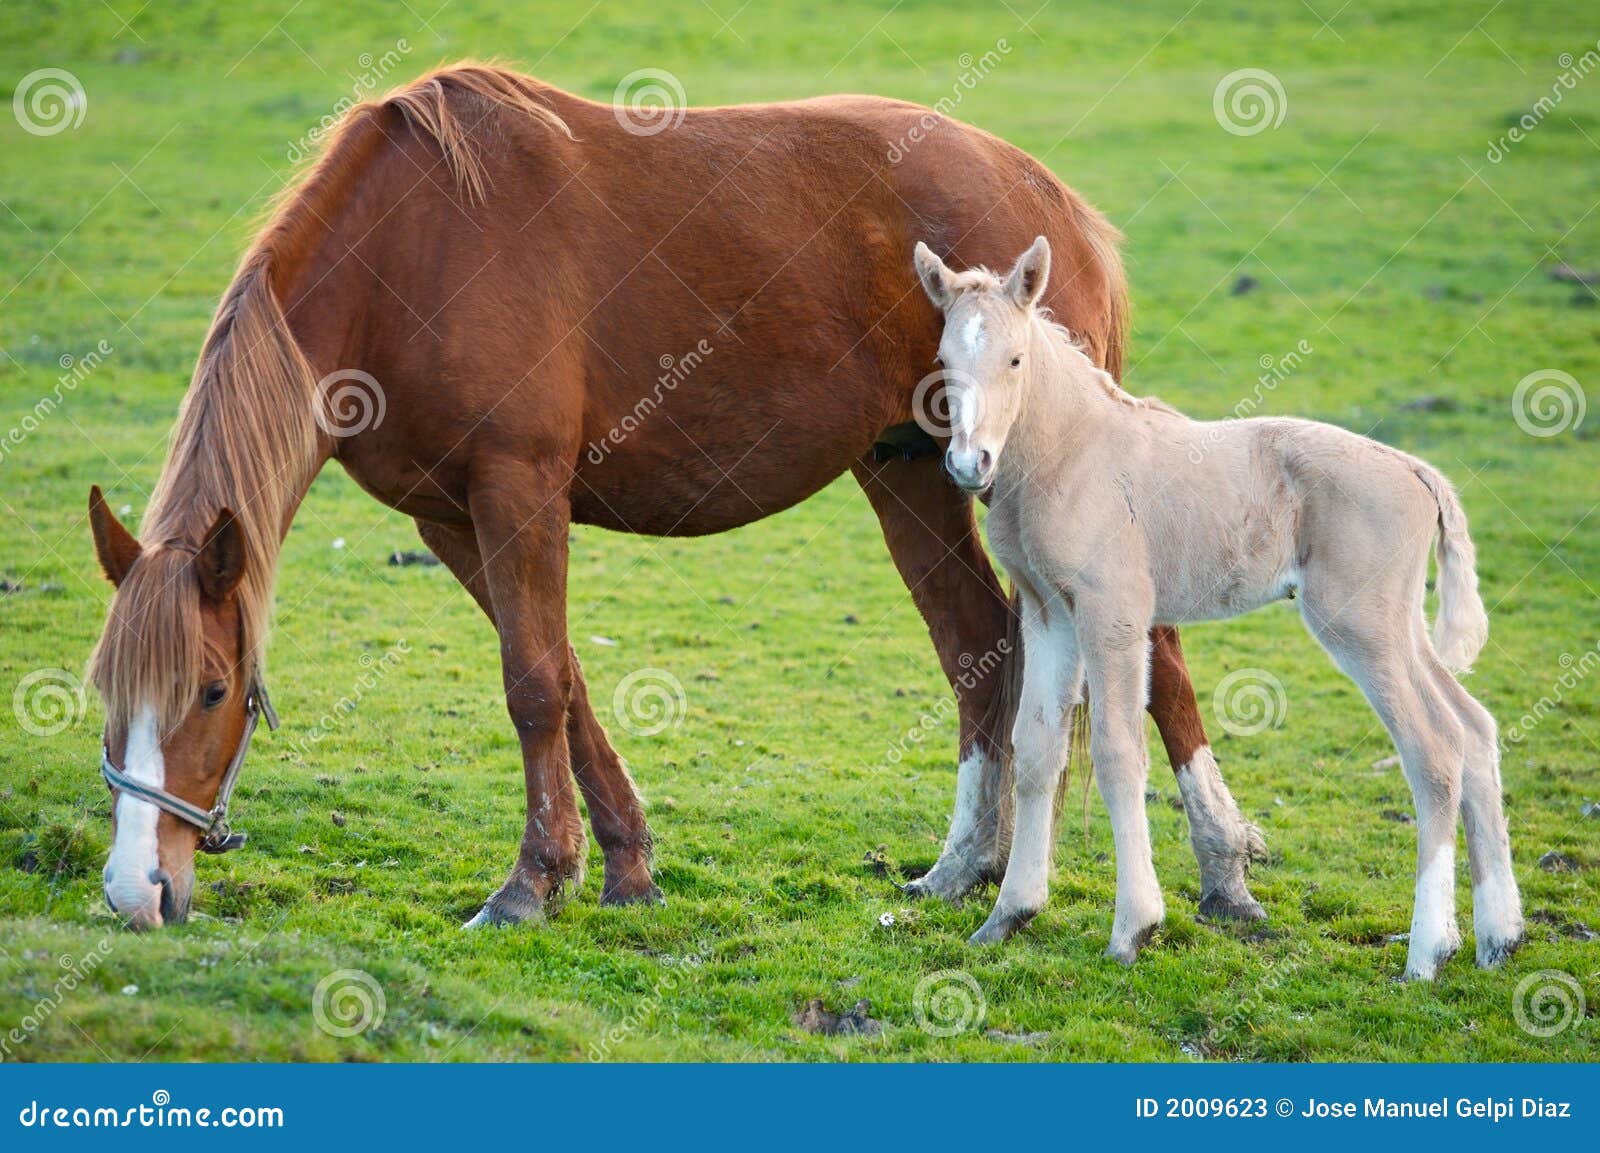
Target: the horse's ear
(220, 562)
(1027, 280)
(113, 544)
(937, 280)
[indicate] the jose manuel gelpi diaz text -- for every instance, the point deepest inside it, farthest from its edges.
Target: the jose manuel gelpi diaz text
(1490, 1108)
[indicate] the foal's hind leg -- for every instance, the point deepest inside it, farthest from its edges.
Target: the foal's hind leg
(1378, 649)
(615, 811)
(1496, 904)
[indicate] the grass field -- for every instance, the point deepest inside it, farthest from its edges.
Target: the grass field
(1372, 223)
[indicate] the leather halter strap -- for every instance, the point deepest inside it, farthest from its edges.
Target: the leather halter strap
(213, 822)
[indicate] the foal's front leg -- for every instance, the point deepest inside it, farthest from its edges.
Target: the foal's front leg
(1117, 663)
(1052, 678)
(521, 514)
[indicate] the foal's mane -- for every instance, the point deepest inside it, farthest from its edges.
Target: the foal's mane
(247, 437)
(1076, 355)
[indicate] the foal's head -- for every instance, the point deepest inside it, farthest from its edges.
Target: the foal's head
(174, 668)
(983, 353)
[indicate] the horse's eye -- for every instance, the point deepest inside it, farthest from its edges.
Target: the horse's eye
(214, 694)
(1016, 361)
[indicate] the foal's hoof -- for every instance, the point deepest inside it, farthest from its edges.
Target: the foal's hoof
(1126, 952)
(633, 895)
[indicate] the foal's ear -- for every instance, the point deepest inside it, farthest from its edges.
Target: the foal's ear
(937, 280)
(113, 544)
(220, 562)
(1027, 280)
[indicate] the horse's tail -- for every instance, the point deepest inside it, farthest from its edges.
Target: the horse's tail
(1462, 626)
(1104, 241)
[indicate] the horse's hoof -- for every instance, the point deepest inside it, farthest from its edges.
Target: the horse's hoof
(1494, 953)
(945, 883)
(649, 895)
(513, 904)
(491, 917)
(999, 927)
(1221, 907)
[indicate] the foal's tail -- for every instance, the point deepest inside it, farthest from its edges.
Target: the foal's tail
(1462, 626)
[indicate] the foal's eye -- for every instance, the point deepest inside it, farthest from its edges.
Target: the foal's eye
(214, 694)
(1016, 361)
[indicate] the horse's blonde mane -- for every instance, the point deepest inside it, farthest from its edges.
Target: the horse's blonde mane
(247, 437)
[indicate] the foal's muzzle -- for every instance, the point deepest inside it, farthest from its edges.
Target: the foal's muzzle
(972, 470)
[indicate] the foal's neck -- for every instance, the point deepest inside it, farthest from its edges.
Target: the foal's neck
(1066, 402)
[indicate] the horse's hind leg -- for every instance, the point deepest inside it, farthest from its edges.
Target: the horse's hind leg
(1496, 904)
(933, 538)
(615, 811)
(1224, 842)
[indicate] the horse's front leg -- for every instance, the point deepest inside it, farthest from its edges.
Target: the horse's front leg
(929, 527)
(615, 811)
(1051, 690)
(521, 514)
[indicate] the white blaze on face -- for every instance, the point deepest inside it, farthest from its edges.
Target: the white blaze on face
(972, 335)
(133, 857)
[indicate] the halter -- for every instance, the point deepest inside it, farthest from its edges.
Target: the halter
(213, 822)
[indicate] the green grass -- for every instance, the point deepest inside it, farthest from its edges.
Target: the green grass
(1375, 230)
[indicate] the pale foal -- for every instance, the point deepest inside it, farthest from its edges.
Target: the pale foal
(1114, 514)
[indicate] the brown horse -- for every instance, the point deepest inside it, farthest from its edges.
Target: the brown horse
(467, 302)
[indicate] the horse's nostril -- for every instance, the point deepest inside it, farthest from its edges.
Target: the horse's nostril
(110, 904)
(159, 876)
(985, 461)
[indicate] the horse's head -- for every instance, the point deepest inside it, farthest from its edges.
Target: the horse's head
(177, 676)
(983, 354)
